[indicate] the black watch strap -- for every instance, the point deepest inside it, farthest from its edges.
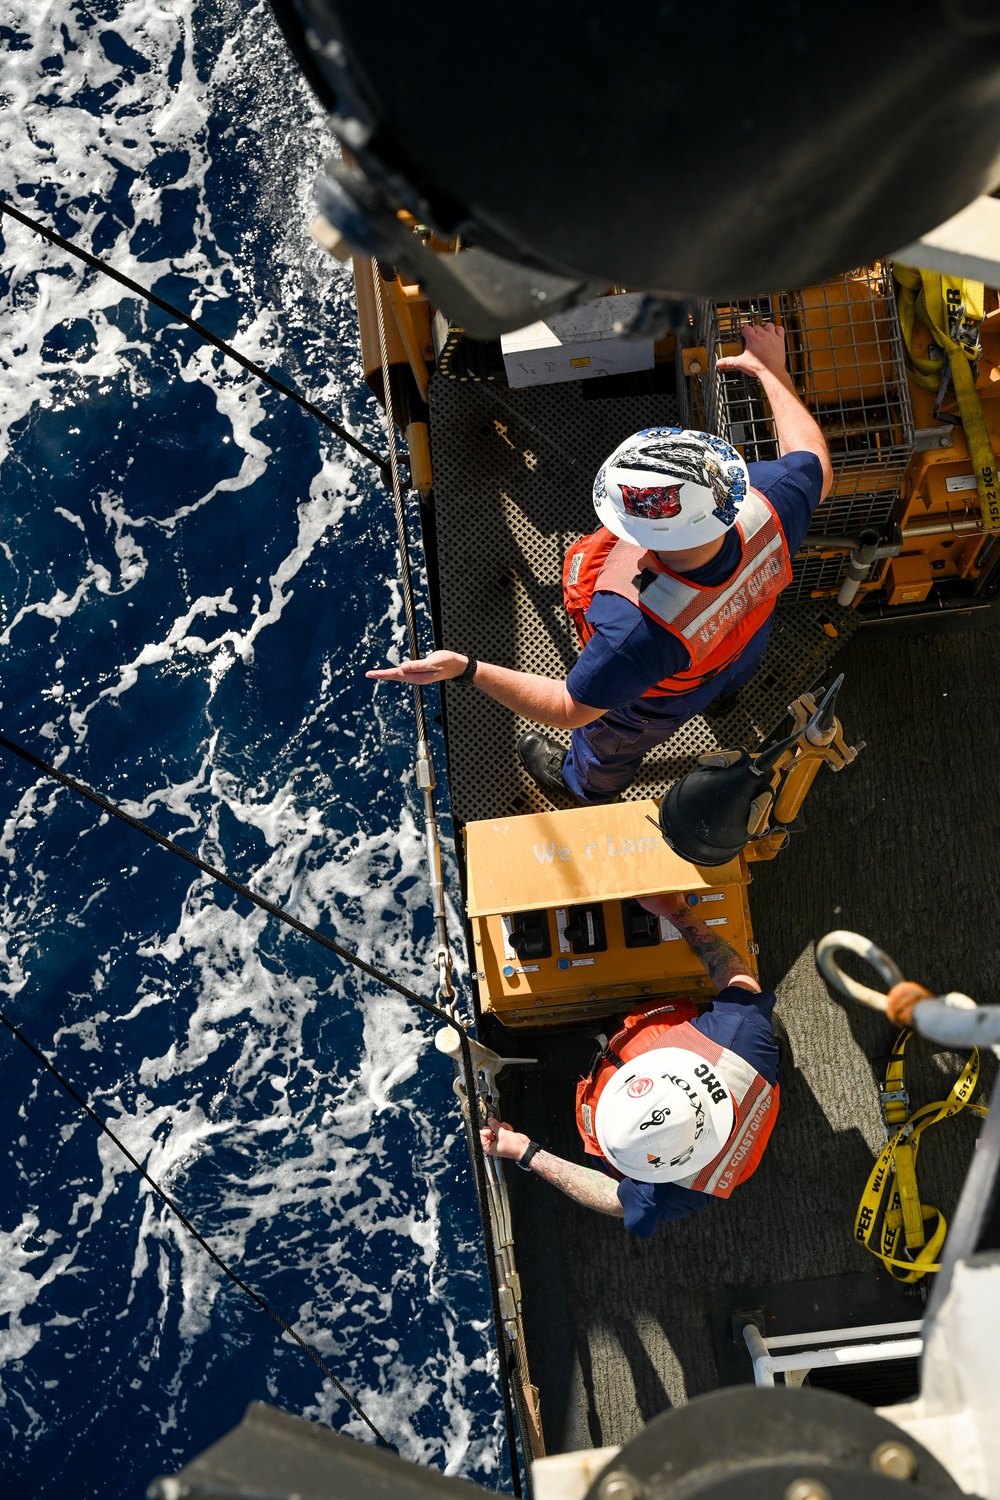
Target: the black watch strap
(470, 671)
(524, 1162)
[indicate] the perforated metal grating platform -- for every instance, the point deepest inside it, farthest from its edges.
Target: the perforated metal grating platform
(512, 481)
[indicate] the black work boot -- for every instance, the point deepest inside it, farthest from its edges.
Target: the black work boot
(785, 1058)
(720, 707)
(543, 758)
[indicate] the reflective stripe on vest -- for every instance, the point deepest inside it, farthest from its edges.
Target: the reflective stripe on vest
(712, 623)
(755, 1102)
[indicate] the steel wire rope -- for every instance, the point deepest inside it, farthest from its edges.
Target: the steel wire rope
(201, 331)
(165, 1198)
(347, 954)
(505, 1354)
(424, 767)
(402, 540)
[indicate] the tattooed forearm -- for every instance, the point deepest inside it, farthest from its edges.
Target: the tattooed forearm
(721, 960)
(583, 1184)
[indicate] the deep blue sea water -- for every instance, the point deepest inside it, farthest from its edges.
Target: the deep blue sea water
(194, 576)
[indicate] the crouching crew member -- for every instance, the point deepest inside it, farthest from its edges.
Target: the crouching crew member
(678, 1106)
(672, 597)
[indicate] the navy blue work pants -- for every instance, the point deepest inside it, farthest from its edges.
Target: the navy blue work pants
(605, 755)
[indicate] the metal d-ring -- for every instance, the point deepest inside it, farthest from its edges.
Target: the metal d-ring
(951, 1020)
(884, 966)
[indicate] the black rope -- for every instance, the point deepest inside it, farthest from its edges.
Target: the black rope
(165, 1198)
(468, 1068)
(202, 332)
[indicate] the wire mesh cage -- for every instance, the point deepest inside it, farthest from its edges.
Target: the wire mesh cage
(813, 574)
(845, 355)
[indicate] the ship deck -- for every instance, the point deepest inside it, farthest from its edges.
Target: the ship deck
(899, 847)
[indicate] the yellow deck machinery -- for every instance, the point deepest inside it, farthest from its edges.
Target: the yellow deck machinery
(904, 486)
(559, 934)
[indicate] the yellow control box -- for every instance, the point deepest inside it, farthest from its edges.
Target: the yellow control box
(558, 932)
(910, 579)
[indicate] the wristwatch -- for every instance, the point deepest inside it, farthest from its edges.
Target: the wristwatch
(524, 1162)
(470, 670)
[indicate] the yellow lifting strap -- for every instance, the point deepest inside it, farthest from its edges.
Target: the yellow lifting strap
(892, 1186)
(952, 308)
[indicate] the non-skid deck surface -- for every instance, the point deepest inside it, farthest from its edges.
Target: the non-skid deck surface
(900, 846)
(513, 472)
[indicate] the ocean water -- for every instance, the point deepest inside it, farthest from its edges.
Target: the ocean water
(194, 575)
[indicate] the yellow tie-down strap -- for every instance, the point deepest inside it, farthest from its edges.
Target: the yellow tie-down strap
(892, 1186)
(952, 308)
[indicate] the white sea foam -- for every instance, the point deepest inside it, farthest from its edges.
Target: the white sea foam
(20, 1289)
(79, 152)
(365, 1132)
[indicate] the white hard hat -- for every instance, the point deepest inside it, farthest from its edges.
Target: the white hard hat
(664, 1116)
(668, 488)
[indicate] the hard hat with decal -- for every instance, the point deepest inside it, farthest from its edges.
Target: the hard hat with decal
(669, 488)
(664, 1115)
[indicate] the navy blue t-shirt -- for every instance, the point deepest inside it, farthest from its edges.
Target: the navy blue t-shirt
(740, 1020)
(629, 652)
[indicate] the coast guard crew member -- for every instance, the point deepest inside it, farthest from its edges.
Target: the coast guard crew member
(672, 597)
(678, 1106)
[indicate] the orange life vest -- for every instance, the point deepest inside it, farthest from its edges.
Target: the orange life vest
(755, 1101)
(712, 623)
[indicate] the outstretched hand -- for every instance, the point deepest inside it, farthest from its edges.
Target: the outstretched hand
(502, 1140)
(763, 351)
(438, 667)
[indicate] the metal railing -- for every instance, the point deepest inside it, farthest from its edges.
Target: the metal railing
(870, 1344)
